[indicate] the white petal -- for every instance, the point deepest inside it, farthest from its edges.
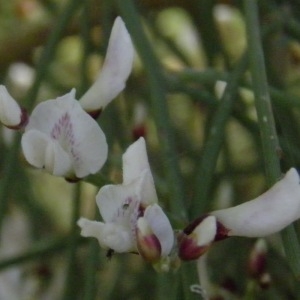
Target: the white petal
(267, 214)
(109, 235)
(145, 189)
(115, 71)
(77, 132)
(111, 199)
(206, 231)
(47, 113)
(42, 152)
(135, 161)
(90, 228)
(10, 111)
(161, 227)
(90, 146)
(118, 238)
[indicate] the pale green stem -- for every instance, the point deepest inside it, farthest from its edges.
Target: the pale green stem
(269, 139)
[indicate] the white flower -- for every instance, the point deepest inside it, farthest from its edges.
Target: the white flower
(63, 139)
(11, 114)
(130, 211)
(267, 214)
(116, 69)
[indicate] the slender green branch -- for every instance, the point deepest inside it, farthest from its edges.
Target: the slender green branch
(210, 76)
(73, 244)
(91, 285)
(265, 116)
(266, 122)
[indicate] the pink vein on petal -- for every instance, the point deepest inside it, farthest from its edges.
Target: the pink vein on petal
(62, 131)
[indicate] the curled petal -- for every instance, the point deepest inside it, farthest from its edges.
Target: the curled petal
(64, 121)
(268, 213)
(135, 161)
(116, 69)
(161, 227)
(109, 235)
(44, 153)
(11, 114)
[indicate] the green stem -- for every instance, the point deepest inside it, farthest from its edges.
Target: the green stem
(70, 291)
(91, 285)
(10, 167)
(159, 104)
(265, 116)
(266, 122)
(281, 98)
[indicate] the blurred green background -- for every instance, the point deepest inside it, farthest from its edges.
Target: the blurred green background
(200, 73)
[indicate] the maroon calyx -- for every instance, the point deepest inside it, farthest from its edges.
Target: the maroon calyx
(188, 248)
(190, 228)
(23, 120)
(138, 131)
(72, 179)
(222, 231)
(95, 114)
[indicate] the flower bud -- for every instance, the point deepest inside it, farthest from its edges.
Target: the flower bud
(11, 114)
(265, 280)
(257, 259)
(195, 240)
(147, 243)
(139, 120)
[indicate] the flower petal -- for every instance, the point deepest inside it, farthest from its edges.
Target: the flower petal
(47, 113)
(10, 111)
(135, 161)
(161, 227)
(268, 213)
(77, 132)
(115, 71)
(90, 228)
(112, 199)
(145, 189)
(206, 231)
(109, 235)
(42, 152)
(148, 244)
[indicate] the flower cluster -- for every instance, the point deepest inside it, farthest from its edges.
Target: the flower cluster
(61, 135)
(134, 222)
